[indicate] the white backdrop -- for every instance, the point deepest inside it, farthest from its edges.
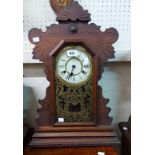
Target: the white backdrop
(106, 13)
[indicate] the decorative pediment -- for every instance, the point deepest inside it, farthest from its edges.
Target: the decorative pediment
(98, 41)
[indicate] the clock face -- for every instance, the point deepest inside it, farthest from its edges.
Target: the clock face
(74, 65)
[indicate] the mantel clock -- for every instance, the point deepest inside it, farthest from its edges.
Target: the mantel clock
(74, 113)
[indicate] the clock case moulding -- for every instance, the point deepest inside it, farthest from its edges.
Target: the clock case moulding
(73, 29)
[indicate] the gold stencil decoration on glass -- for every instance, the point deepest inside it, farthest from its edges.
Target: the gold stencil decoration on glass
(74, 98)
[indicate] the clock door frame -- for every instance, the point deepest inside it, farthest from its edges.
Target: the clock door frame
(53, 54)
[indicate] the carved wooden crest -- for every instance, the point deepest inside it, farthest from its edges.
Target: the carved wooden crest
(73, 28)
(58, 5)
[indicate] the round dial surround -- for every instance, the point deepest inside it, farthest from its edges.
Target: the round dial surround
(74, 65)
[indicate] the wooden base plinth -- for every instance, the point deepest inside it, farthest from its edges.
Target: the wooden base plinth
(71, 151)
(75, 136)
(75, 140)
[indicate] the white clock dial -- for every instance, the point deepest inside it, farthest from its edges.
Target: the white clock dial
(74, 65)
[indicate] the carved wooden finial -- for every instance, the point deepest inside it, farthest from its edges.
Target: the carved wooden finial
(73, 12)
(58, 5)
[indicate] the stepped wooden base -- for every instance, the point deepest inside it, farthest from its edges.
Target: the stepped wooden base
(75, 136)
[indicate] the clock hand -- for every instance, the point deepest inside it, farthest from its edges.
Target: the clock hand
(73, 67)
(71, 74)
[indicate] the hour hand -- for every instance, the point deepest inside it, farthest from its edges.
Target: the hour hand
(73, 67)
(68, 76)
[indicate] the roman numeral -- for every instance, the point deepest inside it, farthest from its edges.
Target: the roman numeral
(67, 77)
(84, 72)
(74, 78)
(80, 77)
(86, 66)
(61, 66)
(79, 55)
(63, 72)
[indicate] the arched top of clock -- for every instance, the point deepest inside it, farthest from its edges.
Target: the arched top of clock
(73, 12)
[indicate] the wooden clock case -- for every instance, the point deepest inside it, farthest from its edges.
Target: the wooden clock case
(73, 29)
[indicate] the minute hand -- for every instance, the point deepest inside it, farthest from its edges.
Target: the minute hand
(71, 74)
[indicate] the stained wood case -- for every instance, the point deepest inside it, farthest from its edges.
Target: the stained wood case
(83, 107)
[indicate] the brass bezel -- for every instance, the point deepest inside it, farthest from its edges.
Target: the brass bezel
(89, 57)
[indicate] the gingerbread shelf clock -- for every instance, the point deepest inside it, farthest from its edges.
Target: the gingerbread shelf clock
(74, 114)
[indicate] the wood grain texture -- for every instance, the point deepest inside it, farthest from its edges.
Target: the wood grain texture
(91, 136)
(41, 142)
(104, 128)
(74, 134)
(71, 151)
